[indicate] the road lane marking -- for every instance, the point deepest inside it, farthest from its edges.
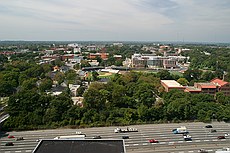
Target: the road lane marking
(190, 151)
(126, 145)
(162, 142)
(7, 151)
(181, 152)
(197, 141)
(28, 150)
(180, 141)
(18, 151)
(135, 144)
(206, 140)
(144, 144)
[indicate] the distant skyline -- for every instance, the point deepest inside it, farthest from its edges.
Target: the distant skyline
(115, 20)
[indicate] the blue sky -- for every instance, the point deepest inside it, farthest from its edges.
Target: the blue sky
(116, 20)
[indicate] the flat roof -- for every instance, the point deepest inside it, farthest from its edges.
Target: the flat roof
(171, 83)
(192, 89)
(80, 146)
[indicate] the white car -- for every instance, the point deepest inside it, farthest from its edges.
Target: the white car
(226, 134)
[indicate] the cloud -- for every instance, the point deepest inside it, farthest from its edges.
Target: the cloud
(111, 20)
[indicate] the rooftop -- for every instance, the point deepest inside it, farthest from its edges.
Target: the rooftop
(80, 146)
(171, 83)
(219, 82)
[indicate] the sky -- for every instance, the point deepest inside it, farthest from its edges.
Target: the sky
(115, 20)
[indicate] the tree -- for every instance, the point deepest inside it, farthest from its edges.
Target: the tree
(95, 75)
(183, 81)
(164, 75)
(59, 77)
(6, 88)
(46, 84)
(29, 84)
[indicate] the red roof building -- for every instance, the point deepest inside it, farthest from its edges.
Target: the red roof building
(208, 88)
(222, 86)
(192, 89)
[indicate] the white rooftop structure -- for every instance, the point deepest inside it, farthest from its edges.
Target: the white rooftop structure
(171, 83)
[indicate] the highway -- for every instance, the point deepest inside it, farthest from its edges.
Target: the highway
(138, 142)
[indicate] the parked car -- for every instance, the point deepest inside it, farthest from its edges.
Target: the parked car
(97, 137)
(11, 136)
(19, 138)
(221, 137)
(153, 141)
(9, 144)
(125, 137)
(208, 126)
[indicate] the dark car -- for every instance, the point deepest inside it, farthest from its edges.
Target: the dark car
(208, 126)
(153, 141)
(187, 139)
(213, 130)
(203, 151)
(221, 137)
(19, 138)
(125, 137)
(97, 137)
(9, 144)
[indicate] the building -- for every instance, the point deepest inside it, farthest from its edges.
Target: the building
(171, 84)
(222, 86)
(152, 61)
(80, 146)
(207, 88)
(104, 56)
(192, 90)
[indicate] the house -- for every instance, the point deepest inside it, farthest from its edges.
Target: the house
(73, 89)
(78, 101)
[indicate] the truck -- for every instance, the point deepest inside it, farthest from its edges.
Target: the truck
(119, 130)
(180, 130)
(224, 150)
(74, 137)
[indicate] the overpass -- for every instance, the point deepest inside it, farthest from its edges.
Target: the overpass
(4, 117)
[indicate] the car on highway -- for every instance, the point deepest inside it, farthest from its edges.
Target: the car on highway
(212, 131)
(208, 126)
(19, 138)
(221, 137)
(11, 136)
(125, 137)
(226, 134)
(9, 144)
(153, 141)
(80, 133)
(187, 138)
(97, 137)
(203, 151)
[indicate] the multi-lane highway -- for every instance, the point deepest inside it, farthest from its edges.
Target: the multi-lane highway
(138, 142)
